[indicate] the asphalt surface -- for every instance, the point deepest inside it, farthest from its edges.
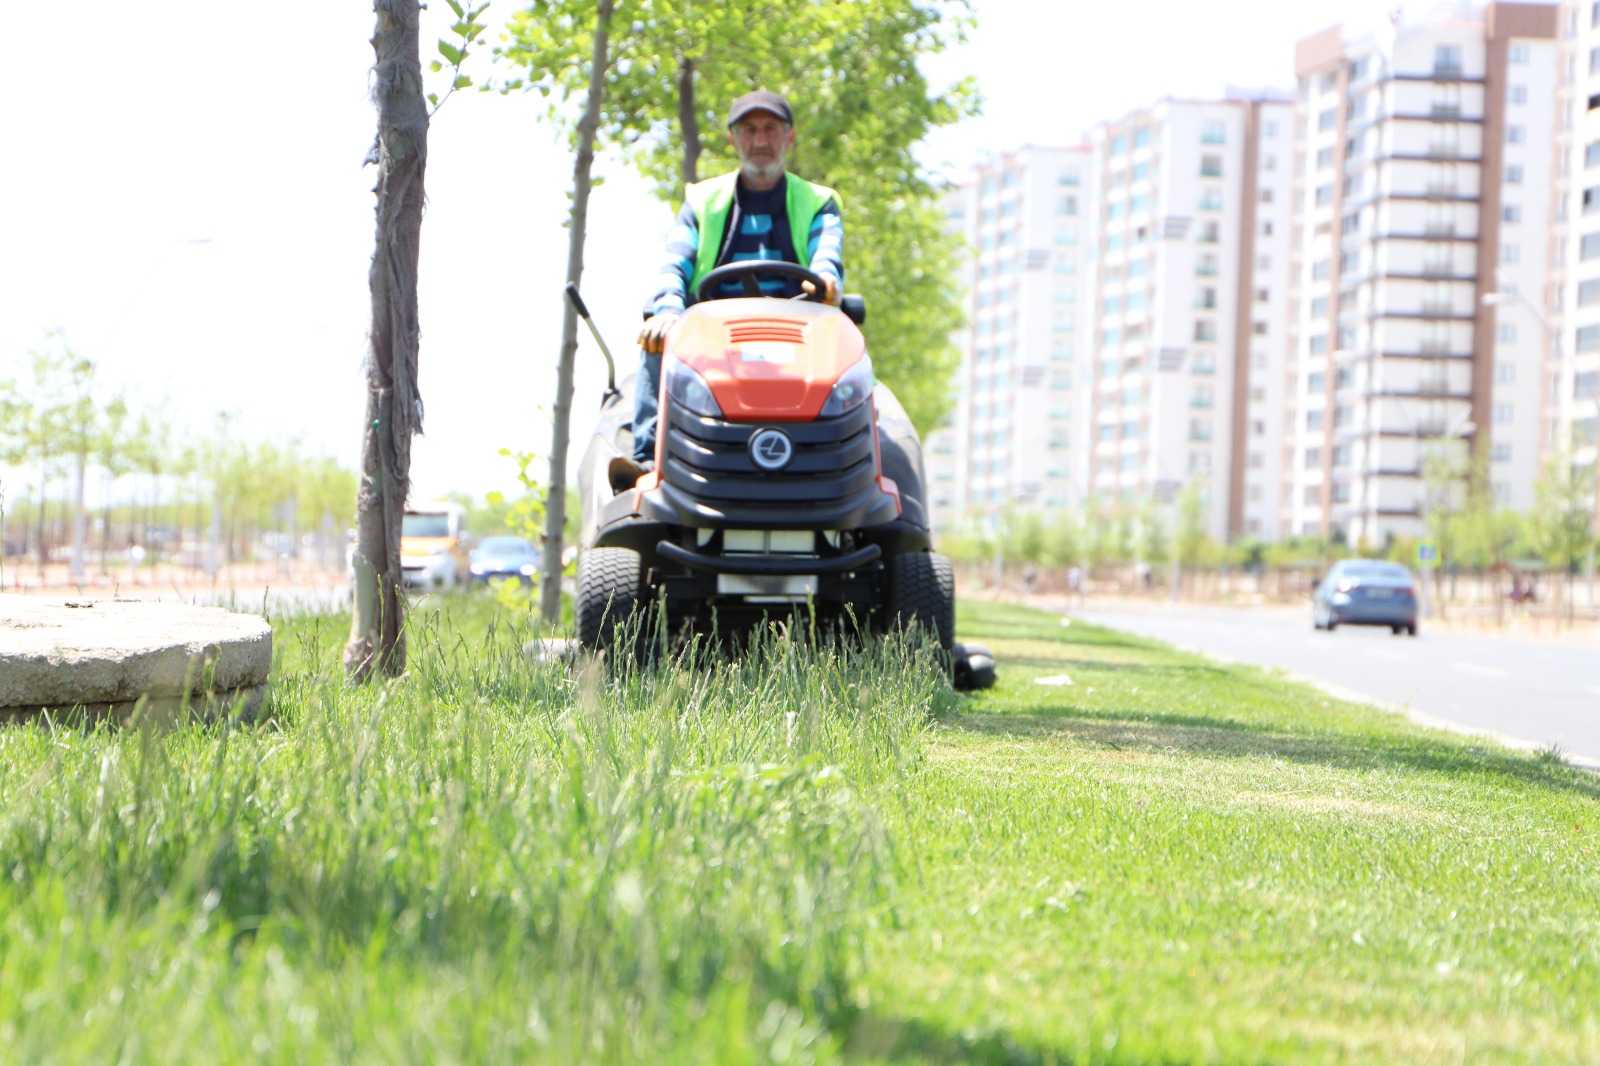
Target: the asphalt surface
(1537, 692)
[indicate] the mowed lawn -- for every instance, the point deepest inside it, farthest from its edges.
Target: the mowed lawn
(1170, 860)
(802, 856)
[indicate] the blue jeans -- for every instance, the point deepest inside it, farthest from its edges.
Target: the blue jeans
(646, 400)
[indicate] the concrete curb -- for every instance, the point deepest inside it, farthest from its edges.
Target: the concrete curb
(101, 658)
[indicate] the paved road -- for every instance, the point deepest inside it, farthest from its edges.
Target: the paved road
(1541, 692)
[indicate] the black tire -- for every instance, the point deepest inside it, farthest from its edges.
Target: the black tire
(922, 592)
(1331, 626)
(1411, 630)
(610, 595)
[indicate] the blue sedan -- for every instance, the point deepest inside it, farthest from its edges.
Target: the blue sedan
(1366, 592)
(511, 557)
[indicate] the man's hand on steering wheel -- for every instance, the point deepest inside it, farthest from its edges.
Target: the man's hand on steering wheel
(830, 290)
(747, 272)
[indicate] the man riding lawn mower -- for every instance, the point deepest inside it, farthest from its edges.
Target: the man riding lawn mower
(767, 472)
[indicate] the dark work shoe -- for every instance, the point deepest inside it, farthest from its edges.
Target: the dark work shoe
(625, 472)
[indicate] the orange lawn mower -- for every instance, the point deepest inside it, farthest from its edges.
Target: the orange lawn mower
(786, 480)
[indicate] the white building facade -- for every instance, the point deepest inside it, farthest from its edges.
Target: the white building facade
(1422, 210)
(1571, 379)
(1189, 319)
(1026, 216)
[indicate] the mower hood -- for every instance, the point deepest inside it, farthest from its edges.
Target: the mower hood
(767, 360)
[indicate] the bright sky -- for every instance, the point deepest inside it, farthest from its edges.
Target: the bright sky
(183, 196)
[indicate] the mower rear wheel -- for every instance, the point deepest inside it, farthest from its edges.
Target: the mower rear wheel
(610, 598)
(922, 592)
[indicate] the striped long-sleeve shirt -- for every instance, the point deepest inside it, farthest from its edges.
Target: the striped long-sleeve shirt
(761, 231)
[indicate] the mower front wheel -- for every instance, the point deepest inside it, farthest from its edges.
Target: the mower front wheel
(610, 598)
(922, 592)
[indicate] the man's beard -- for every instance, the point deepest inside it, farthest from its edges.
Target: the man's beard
(762, 171)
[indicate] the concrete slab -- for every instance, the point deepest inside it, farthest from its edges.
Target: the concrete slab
(101, 657)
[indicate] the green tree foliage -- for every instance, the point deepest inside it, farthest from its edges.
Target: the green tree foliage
(1193, 542)
(1063, 540)
(861, 106)
(1153, 546)
(1562, 523)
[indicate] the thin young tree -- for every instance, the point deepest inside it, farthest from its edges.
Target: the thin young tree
(555, 511)
(394, 405)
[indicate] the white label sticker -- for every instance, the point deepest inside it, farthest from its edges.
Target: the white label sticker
(766, 352)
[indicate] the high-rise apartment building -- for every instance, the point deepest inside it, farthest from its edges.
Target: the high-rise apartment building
(1423, 168)
(1026, 216)
(1571, 379)
(1189, 308)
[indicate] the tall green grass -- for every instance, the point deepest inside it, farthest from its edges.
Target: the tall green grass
(489, 859)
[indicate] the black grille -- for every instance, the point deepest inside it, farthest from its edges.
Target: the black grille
(708, 464)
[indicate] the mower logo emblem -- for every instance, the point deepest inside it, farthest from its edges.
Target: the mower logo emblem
(771, 449)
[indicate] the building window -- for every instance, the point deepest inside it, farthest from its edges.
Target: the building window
(1447, 59)
(1505, 370)
(1511, 213)
(1503, 412)
(1324, 158)
(1500, 452)
(1141, 137)
(1324, 195)
(1266, 195)
(1211, 166)
(1506, 333)
(1517, 94)
(1589, 292)
(1213, 132)
(1587, 339)
(1119, 145)
(1519, 50)
(1509, 253)
(1589, 246)
(1328, 119)
(1516, 134)
(1270, 129)
(1513, 174)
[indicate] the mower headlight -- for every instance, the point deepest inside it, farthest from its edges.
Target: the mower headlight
(691, 390)
(851, 391)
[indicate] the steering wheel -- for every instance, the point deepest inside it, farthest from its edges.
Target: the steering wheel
(745, 271)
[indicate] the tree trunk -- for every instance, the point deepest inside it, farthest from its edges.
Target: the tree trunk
(394, 407)
(555, 509)
(688, 121)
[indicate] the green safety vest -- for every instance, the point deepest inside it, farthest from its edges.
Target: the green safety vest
(712, 201)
